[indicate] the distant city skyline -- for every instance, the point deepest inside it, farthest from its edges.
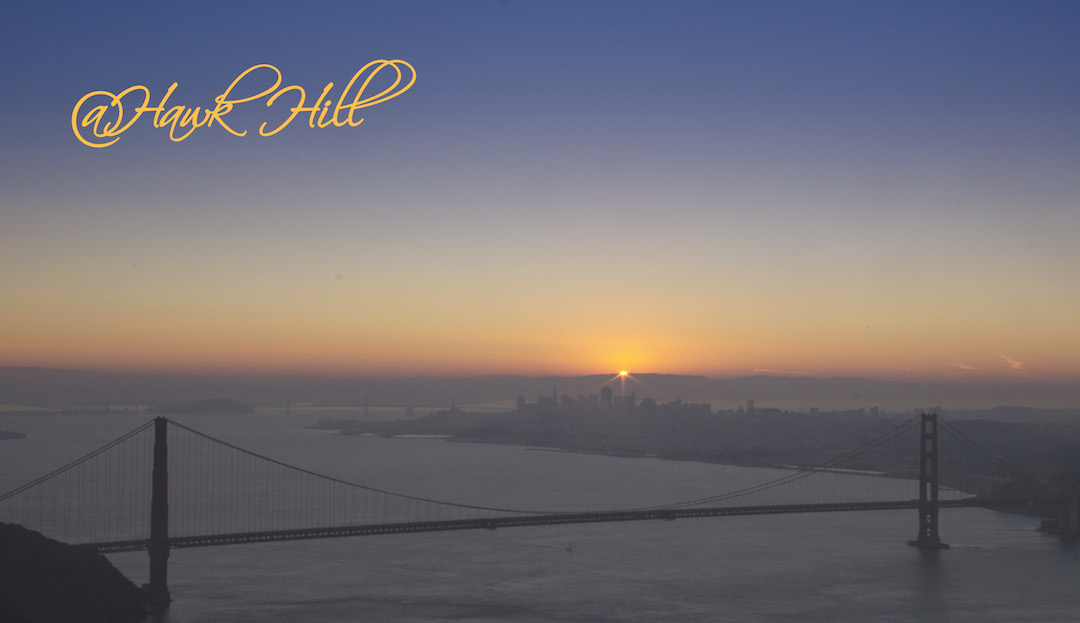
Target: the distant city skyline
(881, 190)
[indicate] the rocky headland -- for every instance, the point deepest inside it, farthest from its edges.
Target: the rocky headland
(46, 581)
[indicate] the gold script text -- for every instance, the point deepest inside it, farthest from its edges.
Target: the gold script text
(100, 117)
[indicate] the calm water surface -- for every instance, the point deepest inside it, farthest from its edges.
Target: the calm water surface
(827, 567)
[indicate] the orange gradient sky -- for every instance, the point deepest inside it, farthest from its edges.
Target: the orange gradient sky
(701, 190)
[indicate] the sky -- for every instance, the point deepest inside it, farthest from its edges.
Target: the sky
(876, 189)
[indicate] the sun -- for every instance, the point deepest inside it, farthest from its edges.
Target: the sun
(623, 373)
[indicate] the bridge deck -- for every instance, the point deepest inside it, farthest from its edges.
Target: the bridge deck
(520, 521)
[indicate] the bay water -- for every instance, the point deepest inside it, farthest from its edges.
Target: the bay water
(852, 566)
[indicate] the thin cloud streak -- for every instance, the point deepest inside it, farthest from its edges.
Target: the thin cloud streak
(1014, 364)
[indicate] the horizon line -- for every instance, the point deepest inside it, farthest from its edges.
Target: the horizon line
(1024, 380)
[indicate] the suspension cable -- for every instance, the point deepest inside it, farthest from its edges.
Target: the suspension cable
(799, 473)
(975, 446)
(77, 462)
(353, 484)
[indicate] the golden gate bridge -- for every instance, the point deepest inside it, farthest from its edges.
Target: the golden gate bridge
(166, 486)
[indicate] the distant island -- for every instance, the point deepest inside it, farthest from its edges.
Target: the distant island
(212, 406)
(10, 434)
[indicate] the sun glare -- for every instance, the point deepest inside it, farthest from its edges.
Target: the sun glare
(623, 373)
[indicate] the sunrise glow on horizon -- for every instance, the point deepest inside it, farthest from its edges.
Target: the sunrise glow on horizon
(716, 189)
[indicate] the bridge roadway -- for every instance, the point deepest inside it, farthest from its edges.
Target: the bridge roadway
(492, 523)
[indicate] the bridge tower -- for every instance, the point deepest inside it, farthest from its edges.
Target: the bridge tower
(157, 590)
(928, 485)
